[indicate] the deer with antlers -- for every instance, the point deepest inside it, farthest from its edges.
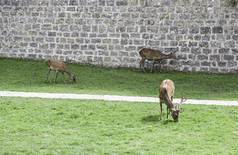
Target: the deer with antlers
(166, 94)
(154, 56)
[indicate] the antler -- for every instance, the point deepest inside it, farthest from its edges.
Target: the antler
(182, 100)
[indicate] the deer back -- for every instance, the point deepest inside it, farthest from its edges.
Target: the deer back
(56, 65)
(166, 92)
(150, 53)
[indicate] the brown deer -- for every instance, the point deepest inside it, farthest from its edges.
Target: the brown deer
(59, 67)
(154, 56)
(166, 94)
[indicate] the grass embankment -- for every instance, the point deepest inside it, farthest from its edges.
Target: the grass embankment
(30, 76)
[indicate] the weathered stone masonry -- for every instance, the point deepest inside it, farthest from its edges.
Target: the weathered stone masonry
(110, 32)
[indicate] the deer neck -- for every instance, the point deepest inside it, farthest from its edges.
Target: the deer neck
(166, 56)
(168, 102)
(68, 72)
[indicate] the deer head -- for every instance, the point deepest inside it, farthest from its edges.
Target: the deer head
(73, 78)
(173, 56)
(175, 111)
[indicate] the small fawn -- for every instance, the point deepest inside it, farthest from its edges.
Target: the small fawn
(59, 67)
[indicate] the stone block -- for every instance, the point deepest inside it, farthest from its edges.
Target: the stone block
(193, 44)
(204, 69)
(215, 58)
(103, 53)
(74, 34)
(203, 44)
(123, 54)
(217, 29)
(122, 3)
(206, 37)
(170, 50)
(222, 64)
(235, 37)
(98, 60)
(46, 27)
(91, 47)
(213, 70)
(101, 2)
(234, 71)
(74, 46)
(32, 56)
(125, 35)
(205, 30)
(96, 41)
(182, 57)
(194, 30)
(224, 50)
(101, 47)
(205, 63)
(124, 41)
(83, 47)
(234, 16)
(73, 2)
(229, 57)
(51, 33)
(33, 45)
(206, 51)
(231, 64)
(63, 28)
(202, 57)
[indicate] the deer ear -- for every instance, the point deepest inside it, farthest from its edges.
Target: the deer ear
(173, 109)
(181, 110)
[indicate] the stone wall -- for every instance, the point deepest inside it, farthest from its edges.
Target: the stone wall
(204, 33)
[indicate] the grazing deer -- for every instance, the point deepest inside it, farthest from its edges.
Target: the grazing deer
(166, 94)
(59, 67)
(154, 56)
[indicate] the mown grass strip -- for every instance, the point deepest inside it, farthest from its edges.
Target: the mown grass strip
(58, 126)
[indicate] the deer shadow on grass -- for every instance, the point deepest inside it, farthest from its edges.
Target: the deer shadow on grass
(155, 119)
(151, 118)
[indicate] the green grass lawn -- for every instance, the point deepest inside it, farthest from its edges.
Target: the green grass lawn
(30, 76)
(57, 126)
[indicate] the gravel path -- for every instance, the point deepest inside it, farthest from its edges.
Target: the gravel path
(111, 98)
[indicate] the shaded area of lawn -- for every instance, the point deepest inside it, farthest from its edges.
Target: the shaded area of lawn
(47, 126)
(30, 75)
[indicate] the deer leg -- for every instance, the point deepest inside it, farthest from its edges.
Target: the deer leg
(160, 70)
(142, 63)
(167, 112)
(48, 75)
(161, 110)
(159, 66)
(56, 74)
(63, 77)
(153, 66)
